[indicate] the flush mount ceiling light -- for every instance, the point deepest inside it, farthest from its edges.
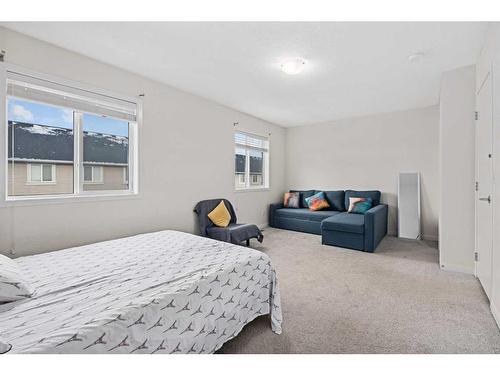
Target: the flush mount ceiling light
(293, 66)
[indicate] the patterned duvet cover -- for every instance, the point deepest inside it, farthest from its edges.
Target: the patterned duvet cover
(163, 292)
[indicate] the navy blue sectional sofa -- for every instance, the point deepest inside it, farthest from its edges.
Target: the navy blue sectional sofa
(336, 226)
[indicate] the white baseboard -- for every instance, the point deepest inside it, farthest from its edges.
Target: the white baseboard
(496, 314)
(457, 268)
(430, 237)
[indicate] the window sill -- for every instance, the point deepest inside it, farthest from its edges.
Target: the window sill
(64, 199)
(247, 190)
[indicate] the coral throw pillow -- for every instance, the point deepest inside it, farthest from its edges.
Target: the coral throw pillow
(291, 200)
(317, 202)
(220, 215)
(359, 205)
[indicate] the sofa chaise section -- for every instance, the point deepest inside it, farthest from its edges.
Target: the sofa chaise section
(354, 231)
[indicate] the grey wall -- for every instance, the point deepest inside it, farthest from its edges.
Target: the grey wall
(457, 170)
(186, 154)
(368, 153)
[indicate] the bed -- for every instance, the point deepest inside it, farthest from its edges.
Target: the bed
(162, 292)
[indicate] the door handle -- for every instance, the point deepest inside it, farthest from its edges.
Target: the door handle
(487, 199)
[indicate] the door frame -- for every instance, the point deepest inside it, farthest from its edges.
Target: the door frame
(488, 74)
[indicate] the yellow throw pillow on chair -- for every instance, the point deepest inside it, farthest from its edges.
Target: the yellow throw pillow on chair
(220, 215)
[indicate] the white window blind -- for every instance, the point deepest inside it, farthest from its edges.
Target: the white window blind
(38, 90)
(250, 141)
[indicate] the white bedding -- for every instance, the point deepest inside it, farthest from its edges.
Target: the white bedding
(164, 292)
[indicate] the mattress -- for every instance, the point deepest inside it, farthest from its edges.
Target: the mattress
(163, 292)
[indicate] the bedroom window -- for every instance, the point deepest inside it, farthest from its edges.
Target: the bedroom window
(251, 161)
(88, 138)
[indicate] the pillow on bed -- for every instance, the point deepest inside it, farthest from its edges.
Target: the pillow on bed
(220, 215)
(4, 348)
(13, 287)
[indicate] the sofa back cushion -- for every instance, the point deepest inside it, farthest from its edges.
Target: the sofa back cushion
(303, 195)
(335, 199)
(373, 194)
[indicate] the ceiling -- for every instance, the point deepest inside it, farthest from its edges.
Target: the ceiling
(353, 68)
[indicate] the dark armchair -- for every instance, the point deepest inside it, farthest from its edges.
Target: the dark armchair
(234, 233)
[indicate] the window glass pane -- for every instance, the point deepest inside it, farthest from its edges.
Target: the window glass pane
(105, 145)
(256, 168)
(36, 173)
(47, 172)
(37, 134)
(240, 168)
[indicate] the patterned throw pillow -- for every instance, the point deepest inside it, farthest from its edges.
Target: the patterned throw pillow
(13, 286)
(291, 200)
(359, 205)
(317, 202)
(220, 215)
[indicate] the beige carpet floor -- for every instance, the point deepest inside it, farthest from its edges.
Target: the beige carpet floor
(396, 300)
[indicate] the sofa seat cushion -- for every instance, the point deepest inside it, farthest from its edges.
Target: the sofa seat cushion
(304, 214)
(345, 222)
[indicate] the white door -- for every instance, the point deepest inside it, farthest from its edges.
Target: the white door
(484, 190)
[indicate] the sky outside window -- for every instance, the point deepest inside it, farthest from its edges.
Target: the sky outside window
(43, 114)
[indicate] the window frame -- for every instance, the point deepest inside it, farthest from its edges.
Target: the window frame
(265, 163)
(78, 192)
(29, 172)
(125, 176)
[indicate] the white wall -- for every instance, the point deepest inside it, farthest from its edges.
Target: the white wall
(186, 155)
(457, 170)
(491, 55)
(368, 153)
